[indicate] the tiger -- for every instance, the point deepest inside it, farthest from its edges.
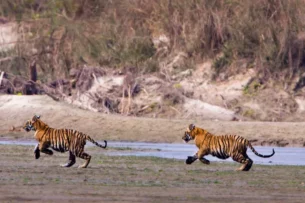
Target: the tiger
(222, 147)
(61, 140)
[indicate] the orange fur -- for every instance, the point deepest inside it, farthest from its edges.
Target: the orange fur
(223, 147)
(60, 140)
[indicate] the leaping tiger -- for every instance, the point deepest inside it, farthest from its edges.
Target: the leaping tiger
(222, 147)
(60, 140)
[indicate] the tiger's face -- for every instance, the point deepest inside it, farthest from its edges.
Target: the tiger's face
(28, 126)
(189, 134)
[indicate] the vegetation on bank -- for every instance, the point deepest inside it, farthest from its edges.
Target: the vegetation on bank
(267, 35)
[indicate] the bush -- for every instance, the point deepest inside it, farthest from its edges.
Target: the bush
(267, 33)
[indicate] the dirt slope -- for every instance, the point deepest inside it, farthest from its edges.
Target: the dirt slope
(15, 110)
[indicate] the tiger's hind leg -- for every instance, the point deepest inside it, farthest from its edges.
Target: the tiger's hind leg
(248, 163)
(71, 160)
(85, 156)
(244, 160)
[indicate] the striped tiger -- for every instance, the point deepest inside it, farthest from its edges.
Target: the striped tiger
(221, 147)
(60, 140)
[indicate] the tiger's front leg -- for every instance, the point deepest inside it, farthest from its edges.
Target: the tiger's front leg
(43, 147)
(191, 159)
(201, 153)
(37, 151)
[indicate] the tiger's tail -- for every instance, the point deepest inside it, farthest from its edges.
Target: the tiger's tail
(94, 142)
(260, 155)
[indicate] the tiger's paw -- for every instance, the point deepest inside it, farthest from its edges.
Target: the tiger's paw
(37, 154)
(205, 161)
(189, 160)
(69, 164)
(82, 166)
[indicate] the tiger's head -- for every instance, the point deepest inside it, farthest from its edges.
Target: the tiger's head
(31, 124)
(190, 133)
(28, 126)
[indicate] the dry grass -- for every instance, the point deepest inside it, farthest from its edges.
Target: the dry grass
(268, 33)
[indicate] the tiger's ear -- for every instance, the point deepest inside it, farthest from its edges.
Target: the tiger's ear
(35, 118)
(191, 126)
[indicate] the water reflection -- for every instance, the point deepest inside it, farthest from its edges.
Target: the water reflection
(283, 155)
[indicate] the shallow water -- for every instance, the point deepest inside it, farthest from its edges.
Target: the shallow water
(282, 156)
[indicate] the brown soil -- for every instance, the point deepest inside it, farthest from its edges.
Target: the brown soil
(141, 179)
(15, 110)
